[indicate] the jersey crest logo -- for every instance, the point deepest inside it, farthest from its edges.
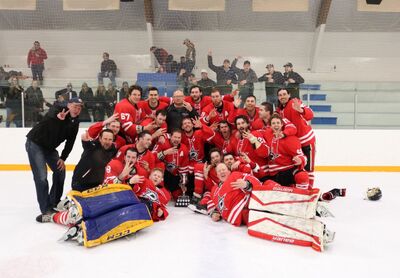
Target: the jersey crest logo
(171, 167)
(221, 203)
(273, 156)
(151, 195)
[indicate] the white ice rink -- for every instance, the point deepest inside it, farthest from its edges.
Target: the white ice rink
(191, 245)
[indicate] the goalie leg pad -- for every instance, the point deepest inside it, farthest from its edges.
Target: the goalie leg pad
(115, 224)
(287, 229)
(284, 200)
(102, 199)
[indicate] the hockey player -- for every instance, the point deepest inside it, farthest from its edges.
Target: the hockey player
(153, 194)
(299, 115)
(229, 200)
(286, 159)
(118, 171)
(130, 114)
(223, 136)
(145, 157)
(241, 144)
(218, 110)
(111, 123)
(250, 110)
(174, 158)
(150, 106)
(160, 125)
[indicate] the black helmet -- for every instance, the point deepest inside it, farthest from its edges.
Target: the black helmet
(374, 194)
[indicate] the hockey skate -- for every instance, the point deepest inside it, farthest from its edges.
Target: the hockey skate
(64, 204)
(322, 211)
(328, 236)
(195, 200)
(73, 215)
(73, 233)
(198, 208)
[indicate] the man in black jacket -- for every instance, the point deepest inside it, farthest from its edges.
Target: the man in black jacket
(178, 110)
(108, 69)
(89, 172)
(57, 126)
(292, 80)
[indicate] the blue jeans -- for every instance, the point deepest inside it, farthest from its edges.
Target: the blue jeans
(39, 158)
(107, 74)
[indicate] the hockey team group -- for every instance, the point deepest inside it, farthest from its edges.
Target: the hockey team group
(249, 166)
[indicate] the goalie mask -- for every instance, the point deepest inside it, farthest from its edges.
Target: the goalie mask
(374, 194)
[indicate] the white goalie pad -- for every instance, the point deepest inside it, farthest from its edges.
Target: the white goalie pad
(287, 229)
(285, 200)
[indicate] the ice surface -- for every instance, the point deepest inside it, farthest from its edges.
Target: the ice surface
(191, 245)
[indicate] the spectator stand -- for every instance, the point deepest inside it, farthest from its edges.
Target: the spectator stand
(164, 82)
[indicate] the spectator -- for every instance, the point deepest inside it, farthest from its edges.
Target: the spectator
(111, 99)
(178, 110)
(225, 74)
(292, 80)
(41, 145)
(13, 103)
(64, 95)
(124, 91)
(171, 66)
(182, 79)
(86, 95)
(35, 60)
(34, 104)
(273, 81)
(99, 104)
(161, 55)
(189, 60)
(206, 83)
(246, 78)
(108, 69)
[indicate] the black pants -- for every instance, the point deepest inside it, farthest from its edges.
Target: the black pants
(37, 72)
(284, 178)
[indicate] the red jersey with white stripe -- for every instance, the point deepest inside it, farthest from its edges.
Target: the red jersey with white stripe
(177, 163)
(221, 143)
(241, 145)
(244, 112)
(147, 156)
(148, 111)
(157, 197)
(129, 115)
(223, 113)
(282, 151)
(288, 127)
(196, 141)
(230, 202)
(304, 131)
(114, 169)
(95, 129)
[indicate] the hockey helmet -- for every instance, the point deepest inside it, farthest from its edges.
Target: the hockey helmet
(374, 194)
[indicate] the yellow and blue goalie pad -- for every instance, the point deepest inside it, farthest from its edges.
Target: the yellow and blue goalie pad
(103, 199)
(115, 224)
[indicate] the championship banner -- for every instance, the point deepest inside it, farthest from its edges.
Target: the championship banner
(90, 5)
(196, 5)
(280, 6)
(27, 5)
(386, 6)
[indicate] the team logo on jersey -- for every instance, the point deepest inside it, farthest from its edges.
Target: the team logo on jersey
(171, 167)
(273, 156)
(221, 203)
(193, 155)
(151, 195)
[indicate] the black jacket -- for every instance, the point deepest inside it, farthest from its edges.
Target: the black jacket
(50, 132)
(175, 116)
(89, 172)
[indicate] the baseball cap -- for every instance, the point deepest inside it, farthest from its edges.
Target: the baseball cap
(203, 71)
(75, 100)
(288, 64)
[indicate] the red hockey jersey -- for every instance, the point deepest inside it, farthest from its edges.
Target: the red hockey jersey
(95, 129)
(129, 115)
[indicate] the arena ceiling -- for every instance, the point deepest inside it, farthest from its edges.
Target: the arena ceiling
(238, 16)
